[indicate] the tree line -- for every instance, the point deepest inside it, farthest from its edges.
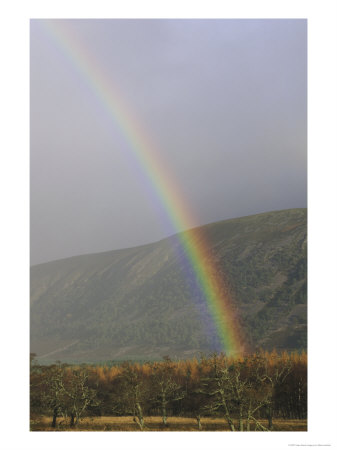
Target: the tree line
(242, 390)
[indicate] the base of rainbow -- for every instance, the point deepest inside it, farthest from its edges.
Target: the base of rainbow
(153, 168)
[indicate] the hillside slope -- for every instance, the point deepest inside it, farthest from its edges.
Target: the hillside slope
(138, 303)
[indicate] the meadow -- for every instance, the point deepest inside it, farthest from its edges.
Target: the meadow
(127, 423)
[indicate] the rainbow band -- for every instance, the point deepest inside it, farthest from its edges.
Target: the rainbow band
(147, 157)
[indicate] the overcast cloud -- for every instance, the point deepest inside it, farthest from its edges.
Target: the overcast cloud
(225, 101)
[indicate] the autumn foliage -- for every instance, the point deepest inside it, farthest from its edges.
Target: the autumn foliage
(248, 392)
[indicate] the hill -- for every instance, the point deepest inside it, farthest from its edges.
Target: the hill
(137, 303)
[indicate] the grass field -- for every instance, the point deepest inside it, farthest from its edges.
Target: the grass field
(127, 423)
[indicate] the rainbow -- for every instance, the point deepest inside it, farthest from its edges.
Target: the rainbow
(149, 160)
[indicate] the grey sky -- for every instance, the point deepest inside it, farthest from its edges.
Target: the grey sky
(225, 100)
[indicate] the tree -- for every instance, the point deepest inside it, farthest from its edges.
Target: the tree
(235, 391)
(274, 373)
(78, 395)
(53, 393)
(195, 398)
(133, 392)
(216, 386)
(164, 388)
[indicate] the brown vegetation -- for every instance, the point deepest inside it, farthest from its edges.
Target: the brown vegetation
(126, 423)
(262, 392)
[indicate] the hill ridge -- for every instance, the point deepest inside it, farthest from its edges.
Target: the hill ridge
(136, 303)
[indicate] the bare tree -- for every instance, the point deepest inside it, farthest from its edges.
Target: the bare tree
(53, 394)
(273, 375)
(78, 395)
(133, 392)
(216, 386)
(237, 390)
(165, 390)
(195, 398)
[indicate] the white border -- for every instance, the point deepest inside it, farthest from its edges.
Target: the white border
(14, 16)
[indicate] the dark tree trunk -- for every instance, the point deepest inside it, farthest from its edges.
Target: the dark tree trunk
(270, 417)
(72, 420)
(55, 411)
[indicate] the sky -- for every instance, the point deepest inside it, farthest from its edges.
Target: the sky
(223, 101)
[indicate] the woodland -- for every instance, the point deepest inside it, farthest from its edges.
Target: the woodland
(253, 392)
